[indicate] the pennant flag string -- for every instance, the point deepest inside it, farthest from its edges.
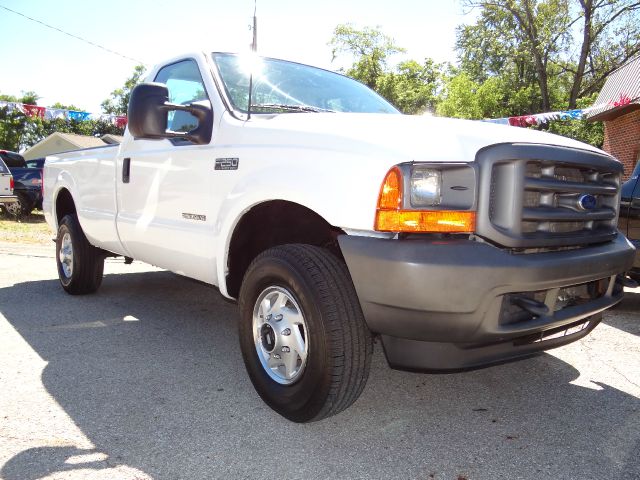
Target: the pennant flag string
(46, 113)
(541, 118)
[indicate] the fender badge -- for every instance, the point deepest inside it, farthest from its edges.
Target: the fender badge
(194, 216)
(227, 163)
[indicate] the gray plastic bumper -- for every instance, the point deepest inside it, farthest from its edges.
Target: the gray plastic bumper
(8, 199)
(441, 304)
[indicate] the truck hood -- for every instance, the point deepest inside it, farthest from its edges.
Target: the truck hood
(398, 137)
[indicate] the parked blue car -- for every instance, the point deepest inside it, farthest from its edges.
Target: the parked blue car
(27, 177)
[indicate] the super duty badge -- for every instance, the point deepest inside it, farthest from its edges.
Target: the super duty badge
(227, 163)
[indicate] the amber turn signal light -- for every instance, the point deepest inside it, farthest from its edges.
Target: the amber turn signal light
(437, 221)
(391, 190)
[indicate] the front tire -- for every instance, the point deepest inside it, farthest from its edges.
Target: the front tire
(80, 264)
(303, 337)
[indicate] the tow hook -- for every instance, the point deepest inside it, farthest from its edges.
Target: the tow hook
(532, 306)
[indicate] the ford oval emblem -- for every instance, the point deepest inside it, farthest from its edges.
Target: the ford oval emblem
(587, 202)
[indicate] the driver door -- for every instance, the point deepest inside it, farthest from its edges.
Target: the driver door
(164, 188)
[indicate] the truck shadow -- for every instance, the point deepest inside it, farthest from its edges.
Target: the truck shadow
(149, 369)
(627, 314)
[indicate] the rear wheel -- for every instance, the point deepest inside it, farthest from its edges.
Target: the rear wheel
(303, 337)
(22, 207)
(80, 264)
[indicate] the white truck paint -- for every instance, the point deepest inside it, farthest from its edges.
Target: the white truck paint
(344, 156)
(179, 212)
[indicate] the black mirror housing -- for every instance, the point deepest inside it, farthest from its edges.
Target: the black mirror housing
(147, 117)
(148, 113)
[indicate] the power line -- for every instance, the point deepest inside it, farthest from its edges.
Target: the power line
(74, 36)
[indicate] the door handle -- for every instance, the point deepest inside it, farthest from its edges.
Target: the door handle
(126, 169)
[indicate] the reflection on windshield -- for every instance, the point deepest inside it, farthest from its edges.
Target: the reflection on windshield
(282, 87)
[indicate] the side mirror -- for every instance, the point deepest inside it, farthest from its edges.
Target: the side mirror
(148, 112)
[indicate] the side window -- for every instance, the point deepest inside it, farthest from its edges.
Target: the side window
(185, 86)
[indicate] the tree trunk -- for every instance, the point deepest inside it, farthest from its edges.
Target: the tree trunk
(534, 42)
(587, 6)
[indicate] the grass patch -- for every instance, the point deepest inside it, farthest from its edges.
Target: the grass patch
(30, 229)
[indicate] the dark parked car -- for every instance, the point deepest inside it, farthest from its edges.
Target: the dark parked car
(27, 177)
(630, 216)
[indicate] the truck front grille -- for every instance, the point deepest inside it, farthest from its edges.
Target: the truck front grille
(547, 196)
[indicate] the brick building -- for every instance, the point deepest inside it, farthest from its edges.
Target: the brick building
(618, 106)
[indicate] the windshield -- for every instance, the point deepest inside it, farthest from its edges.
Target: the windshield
(287, 87)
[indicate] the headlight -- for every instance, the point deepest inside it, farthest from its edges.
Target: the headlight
(426, 184)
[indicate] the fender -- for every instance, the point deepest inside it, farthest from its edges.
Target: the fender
(64, 181)
(279, 181)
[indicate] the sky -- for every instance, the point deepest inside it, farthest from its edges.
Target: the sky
(63, 69)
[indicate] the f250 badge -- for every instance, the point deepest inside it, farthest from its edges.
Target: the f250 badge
(194, 216)
(227, 163)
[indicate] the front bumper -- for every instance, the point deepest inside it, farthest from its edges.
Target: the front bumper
(449, 304)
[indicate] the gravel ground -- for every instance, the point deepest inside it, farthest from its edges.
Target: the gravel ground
(145, 380)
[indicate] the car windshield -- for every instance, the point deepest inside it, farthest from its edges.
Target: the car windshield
(286, 87)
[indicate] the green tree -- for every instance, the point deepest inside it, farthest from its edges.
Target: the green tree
(583, 130)
(369, 48)
(410, 86)
(15, 125)
(610, 37)
(459, 98)
(515, 39)
(533, 42)
(119, 101)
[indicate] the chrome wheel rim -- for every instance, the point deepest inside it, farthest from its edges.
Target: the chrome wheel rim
(280, 335)
(13, 208)
(66, 255)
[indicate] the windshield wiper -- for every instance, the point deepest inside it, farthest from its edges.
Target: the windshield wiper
(290, 108)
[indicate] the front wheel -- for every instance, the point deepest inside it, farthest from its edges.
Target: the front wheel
(303, 337)
(80, 264)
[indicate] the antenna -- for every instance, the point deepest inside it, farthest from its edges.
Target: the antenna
(254, 43)
(254, 49)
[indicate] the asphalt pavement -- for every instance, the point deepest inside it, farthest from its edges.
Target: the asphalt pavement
(144, 379)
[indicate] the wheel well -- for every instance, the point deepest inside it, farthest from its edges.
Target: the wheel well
(275, 223)
(64, 204)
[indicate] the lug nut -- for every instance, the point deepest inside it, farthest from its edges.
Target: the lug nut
(276, 356)
(286, 332)
(286, 349)
(268, 317)
(278, 317)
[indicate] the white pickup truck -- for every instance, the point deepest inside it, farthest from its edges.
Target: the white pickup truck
(333, 220)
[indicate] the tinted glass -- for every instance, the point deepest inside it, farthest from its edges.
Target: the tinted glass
(12, 159)
(277, 83)
(185, 86)
(37, 163)
(3, 167)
